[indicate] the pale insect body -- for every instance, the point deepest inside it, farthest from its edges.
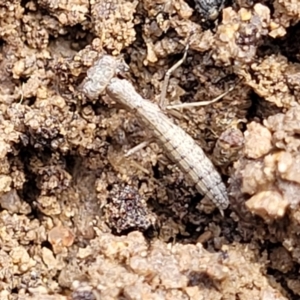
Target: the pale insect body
(179, 146)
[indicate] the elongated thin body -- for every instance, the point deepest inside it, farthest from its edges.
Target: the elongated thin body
(179, 146)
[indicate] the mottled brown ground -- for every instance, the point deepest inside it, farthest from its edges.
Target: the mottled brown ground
(72, 204)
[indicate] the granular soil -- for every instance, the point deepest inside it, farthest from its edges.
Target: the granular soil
(80, 219)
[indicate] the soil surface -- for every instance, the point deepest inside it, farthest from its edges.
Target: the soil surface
(80, 219)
